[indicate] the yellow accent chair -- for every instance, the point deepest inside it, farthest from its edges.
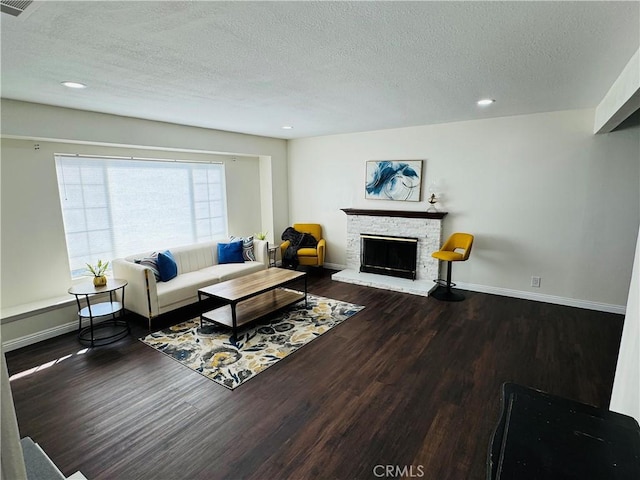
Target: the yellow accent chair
(309, 256)
(456, 249)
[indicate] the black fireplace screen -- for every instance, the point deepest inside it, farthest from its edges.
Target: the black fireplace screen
(389, 255)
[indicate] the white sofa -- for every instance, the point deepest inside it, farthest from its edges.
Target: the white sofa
(198, 267)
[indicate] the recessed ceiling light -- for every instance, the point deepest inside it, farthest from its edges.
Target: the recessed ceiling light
(287, 127)
(74, 85)
(485, 101)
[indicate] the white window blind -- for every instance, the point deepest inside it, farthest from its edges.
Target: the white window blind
(116, 207)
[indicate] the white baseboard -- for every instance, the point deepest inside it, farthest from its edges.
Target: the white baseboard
(505, 292)
(39, 336)
(538, 297)
(541, 297)
(334, 266)
(46, 334)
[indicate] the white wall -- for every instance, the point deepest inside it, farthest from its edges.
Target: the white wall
(34, 264)
(542, 194)
(43, 122)
(33, 237)
(625, 397)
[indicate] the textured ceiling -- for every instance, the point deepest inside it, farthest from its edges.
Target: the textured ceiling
(323, 67)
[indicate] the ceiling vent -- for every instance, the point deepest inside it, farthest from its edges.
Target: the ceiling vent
(14, 7)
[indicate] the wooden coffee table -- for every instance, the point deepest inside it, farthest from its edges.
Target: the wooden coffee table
(252, 296)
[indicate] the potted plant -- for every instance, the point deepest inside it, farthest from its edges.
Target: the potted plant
(98, 270)
(261, 236)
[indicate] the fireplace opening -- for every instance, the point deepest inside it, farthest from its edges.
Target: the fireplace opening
(389, 255)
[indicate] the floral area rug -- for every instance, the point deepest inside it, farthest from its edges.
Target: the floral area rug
(211, 352)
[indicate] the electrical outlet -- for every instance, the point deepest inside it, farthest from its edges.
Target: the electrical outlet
(535, 282)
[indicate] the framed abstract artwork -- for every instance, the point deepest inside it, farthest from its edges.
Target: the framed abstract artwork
(393, 180)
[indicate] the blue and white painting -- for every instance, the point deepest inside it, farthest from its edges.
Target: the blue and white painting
(394, 180)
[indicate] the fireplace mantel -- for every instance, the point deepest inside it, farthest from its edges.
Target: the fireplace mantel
(424, 226)
(395, 213)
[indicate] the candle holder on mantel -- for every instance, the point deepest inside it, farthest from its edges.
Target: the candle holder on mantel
(432, 202)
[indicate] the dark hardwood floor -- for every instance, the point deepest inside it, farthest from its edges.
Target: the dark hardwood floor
(408, 381)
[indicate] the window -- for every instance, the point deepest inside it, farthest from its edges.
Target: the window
(116, 207)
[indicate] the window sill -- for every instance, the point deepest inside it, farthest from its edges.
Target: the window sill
(17, 312)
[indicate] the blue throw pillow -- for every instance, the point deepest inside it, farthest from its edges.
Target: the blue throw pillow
(167, 266)
(230, 252)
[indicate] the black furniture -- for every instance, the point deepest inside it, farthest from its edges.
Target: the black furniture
(112, 329)
(542, 436)
(251, 297)
(273, 254)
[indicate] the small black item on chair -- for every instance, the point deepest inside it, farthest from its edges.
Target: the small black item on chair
(297, 240)
(448, 253)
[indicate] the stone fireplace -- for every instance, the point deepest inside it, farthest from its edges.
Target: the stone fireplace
(425, 227)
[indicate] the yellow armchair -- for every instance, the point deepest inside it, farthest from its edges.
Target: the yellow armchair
(309, 256)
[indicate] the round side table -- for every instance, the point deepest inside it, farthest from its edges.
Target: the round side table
(107, 331)
(273, 255)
